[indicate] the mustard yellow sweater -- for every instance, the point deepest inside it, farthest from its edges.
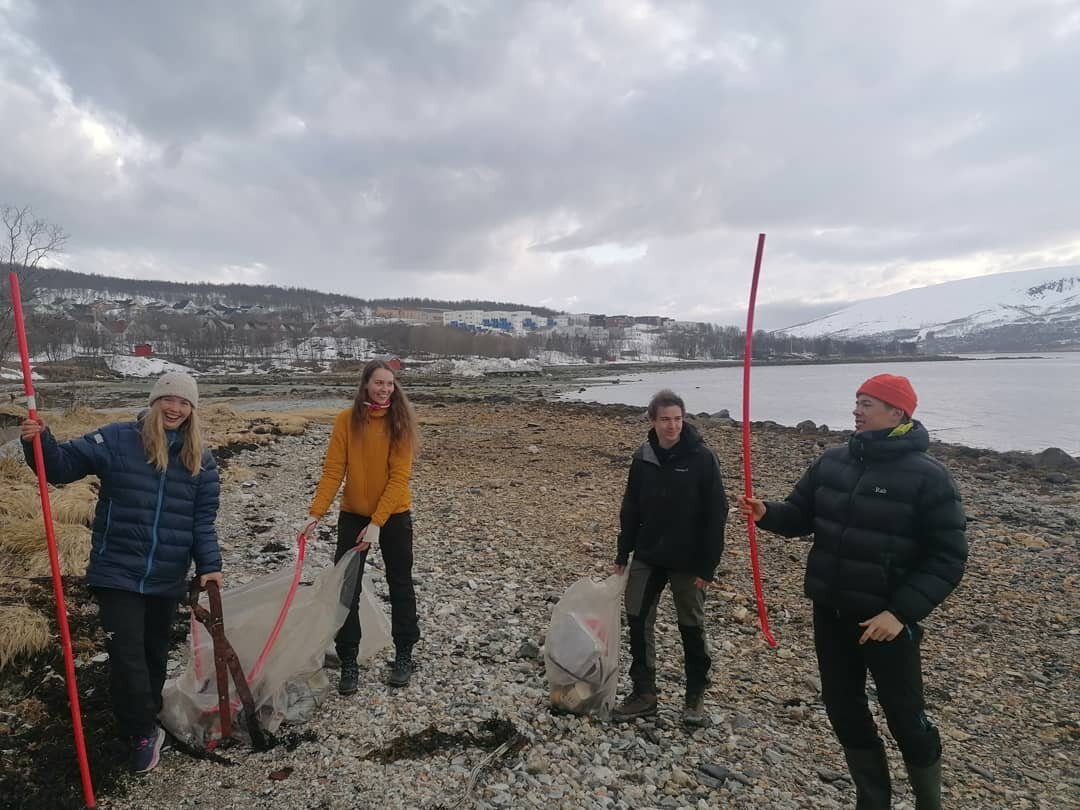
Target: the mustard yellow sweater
(376, 477)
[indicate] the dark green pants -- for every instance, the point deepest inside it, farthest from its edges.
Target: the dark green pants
(643, 590)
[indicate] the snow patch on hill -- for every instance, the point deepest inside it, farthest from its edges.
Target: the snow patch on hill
(958, 308)
(143, 366)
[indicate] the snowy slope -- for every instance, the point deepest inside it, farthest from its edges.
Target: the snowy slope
(958, 308)
(142, 366)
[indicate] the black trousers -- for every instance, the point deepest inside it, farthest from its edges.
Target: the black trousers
(396, 545)
(137, 640)
(896, 667)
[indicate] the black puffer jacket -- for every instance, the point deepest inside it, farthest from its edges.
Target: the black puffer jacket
(673, 513)
(887, 523)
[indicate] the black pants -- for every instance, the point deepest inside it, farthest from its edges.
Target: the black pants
(643, 590)
(896, 667)
(396, 545)
(137, 640)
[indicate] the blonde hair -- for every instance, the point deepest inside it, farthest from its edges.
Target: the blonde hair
(157, 445)
(402, 418)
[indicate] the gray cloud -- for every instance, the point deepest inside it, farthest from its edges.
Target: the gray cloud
(603, 155)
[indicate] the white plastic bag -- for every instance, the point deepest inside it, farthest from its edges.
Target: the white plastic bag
(581, 651)
(290, 682)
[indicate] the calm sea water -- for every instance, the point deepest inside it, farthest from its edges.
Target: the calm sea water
(998, 403)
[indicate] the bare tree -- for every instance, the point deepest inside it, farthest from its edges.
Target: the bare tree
(27, 241)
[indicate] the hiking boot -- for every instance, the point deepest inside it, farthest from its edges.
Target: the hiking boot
(694, 710)
(349, 676)
(146, 751)
(349, 679)
(636, 705)
(402, 669)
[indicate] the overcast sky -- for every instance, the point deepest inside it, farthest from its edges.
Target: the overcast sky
(605, 155)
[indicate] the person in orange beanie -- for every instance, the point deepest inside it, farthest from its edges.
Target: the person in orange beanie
(889, 547)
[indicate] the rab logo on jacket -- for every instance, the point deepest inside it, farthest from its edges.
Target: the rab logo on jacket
(880, 491)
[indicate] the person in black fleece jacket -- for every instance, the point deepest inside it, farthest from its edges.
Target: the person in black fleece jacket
(672, 520)
(889, 546)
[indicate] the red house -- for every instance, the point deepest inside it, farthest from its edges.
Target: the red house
(394, 362)
(143, 350)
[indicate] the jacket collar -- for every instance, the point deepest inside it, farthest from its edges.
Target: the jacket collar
(877, 445)
(689, 439)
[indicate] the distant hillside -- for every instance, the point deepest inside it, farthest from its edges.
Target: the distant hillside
(1029, 310)
(68, 283)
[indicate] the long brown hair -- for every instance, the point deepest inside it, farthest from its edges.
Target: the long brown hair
(402, 418)
(157, 445)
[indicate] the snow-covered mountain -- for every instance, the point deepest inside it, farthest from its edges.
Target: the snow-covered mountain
(1029, 309)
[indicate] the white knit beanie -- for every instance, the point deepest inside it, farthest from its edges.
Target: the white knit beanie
(176, 384)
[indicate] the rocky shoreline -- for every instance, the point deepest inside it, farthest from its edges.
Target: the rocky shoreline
(515, 499)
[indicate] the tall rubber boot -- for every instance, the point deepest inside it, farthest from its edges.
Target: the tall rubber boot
(926, 785)
(869, 770)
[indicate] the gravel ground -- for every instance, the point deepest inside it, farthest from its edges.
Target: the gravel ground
(512, 503)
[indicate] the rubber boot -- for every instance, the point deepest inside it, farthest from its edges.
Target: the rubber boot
(349, 677)
(926, 785)
(869, 770)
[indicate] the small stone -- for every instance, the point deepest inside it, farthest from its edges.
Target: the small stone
(827, 775)
(537, 764)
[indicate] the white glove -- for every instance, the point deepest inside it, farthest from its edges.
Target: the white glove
(368, 535)
(308, 529)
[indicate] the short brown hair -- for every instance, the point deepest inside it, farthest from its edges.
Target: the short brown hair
(665, 398)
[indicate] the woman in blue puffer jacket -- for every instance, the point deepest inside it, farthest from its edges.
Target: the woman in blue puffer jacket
(155, 514)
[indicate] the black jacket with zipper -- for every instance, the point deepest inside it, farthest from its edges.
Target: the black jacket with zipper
(888, 526)
(674, 511)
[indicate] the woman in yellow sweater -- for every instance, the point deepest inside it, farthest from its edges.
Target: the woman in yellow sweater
(371, 448)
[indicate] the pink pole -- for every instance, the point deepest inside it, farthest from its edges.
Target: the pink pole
(748, 485)
(54, 557)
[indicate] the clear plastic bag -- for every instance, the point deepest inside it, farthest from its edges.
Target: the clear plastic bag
(290, 681)
(581, 651)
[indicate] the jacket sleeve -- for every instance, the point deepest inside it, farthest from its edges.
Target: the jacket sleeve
(396, 494)
(629, 517)
(793, 516)
(69, 461)
(944, 540)
(205, 547)
(716, 503)
(333, 467)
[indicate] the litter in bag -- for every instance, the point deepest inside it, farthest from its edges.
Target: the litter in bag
(287, 681)
(581, 651)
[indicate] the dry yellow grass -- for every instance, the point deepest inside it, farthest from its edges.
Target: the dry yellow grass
(21, 500)
(14, 469)
(237, 474)
(80, 420)
(23, 631)
(75, 503)
(24, 550)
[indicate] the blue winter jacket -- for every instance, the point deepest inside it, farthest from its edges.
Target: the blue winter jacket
(148, 525)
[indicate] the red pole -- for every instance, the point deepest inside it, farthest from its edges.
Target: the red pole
(751, 529)
(54, 557)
